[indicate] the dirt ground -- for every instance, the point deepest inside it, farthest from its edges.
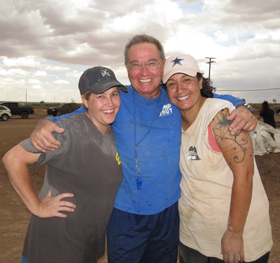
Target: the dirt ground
(14, 217)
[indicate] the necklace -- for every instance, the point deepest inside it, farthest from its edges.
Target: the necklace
(139, 180)
(153, 97)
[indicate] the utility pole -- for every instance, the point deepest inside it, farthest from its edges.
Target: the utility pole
(210, 62)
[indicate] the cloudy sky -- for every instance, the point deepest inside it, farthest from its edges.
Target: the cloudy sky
(45, 45)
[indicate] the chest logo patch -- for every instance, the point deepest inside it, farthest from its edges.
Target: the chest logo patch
(192, 154)
(166, 110)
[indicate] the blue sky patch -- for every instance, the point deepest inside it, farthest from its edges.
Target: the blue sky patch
(191, 8)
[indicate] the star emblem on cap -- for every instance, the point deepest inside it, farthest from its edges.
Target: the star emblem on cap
(177, 61)
(104, 72)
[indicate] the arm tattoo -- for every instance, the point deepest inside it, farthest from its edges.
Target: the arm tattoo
(234, 146)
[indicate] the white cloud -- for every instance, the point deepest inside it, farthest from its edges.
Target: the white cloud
(14, 73)
(3, 72)
(11, 81)
(34, 81)
(60, 81)
(221, 37)
(40, 74)
(18, 73)
(56, 68)
(30, 62)
(37, 87)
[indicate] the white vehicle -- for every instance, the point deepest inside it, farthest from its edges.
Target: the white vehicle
(5, 113)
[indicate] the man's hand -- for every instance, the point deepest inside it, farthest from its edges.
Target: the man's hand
(52, 206)
(42, 138)
(242, 119)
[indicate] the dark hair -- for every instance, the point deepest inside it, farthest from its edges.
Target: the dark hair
(207, 90)
(265, 106)
(139, 39)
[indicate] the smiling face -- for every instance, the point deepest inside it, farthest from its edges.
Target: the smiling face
(146, 81)
(184, 91)
(103, 108)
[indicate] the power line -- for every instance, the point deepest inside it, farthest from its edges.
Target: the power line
(246, 89)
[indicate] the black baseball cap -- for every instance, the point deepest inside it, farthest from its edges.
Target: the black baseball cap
(99, 79)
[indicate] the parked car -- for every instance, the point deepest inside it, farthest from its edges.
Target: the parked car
(277, 110)
(63, 109)
(5, 113)
(17, 110)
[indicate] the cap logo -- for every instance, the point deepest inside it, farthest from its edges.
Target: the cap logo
(104, 72)
(177, 61)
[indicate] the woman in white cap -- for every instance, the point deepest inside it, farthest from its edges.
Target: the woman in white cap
(224, 210)
(70, 216)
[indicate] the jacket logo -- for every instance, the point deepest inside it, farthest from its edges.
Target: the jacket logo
(166, 110)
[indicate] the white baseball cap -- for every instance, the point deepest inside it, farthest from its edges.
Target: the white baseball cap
(182, 63)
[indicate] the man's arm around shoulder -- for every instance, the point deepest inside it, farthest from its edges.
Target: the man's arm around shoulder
(42, 138)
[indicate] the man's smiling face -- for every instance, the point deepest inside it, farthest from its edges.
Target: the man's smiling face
(146, 81)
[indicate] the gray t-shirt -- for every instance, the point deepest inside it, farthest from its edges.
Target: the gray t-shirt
(87, 165)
